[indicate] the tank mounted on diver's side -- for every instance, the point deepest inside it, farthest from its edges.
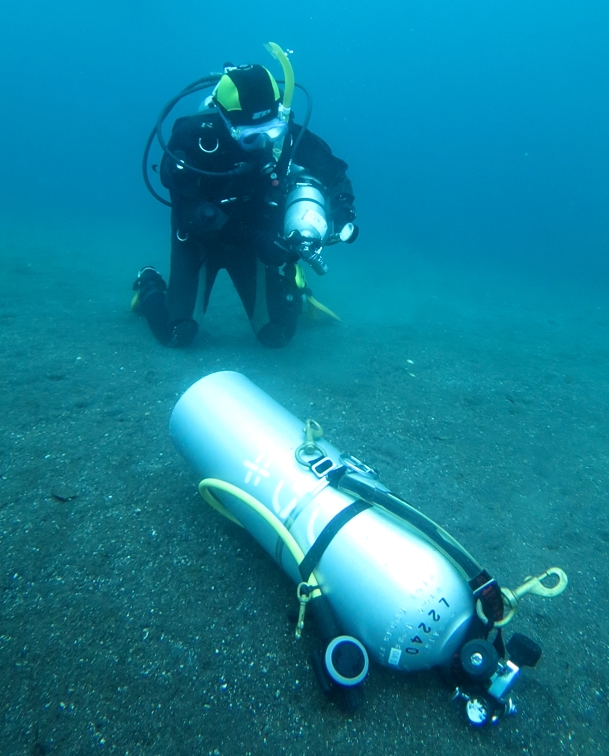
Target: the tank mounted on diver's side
(306, 226)
(382, 579)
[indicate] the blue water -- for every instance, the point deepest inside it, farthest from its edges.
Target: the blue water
(475, 130)
(470, 365)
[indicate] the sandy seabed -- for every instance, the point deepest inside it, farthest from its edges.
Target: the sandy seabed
(135, 620)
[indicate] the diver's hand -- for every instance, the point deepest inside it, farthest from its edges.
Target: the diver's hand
(272, 249)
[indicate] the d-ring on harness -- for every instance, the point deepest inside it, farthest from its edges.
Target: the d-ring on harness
(213, 149)
(309, 448)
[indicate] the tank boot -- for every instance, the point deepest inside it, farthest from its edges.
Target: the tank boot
(149, 286)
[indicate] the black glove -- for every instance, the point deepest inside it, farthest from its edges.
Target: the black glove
(271, 249)
(342, 215)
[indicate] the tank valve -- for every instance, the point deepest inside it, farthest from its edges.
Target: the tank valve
(480, 710)
(489, 679)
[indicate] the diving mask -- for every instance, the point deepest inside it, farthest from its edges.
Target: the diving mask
(256, 137)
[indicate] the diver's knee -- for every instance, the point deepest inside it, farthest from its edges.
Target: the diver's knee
(181, 333)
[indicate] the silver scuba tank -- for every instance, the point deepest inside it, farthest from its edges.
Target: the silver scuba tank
(387, 584)
(306, 211)
(305, 223)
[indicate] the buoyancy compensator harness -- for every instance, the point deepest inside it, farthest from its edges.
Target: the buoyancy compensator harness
(380, 577)
(276, 170)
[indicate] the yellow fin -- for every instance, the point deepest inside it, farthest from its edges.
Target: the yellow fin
(319, 306)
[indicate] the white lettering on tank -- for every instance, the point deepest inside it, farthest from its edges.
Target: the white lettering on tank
(284, 511)
(257, 468)
(311, 526)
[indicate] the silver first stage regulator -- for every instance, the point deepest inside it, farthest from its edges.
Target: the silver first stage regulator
(382, 579)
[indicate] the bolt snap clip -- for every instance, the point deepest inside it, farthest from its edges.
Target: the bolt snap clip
(533, 585)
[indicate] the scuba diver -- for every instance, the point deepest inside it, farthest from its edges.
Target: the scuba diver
(252, 192)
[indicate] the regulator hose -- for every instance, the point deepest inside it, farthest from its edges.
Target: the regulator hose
(214, 484)
(157, 131)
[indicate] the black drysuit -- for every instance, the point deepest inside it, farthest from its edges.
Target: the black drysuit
(235, 222)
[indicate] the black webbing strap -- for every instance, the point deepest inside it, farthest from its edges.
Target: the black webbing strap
(486, 589)
(323, 540)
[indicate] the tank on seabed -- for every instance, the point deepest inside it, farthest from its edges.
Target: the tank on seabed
(381, 578)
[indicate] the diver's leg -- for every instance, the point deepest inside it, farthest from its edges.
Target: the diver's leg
(187, 257)
(270, 296)
(169, 309)
(284, 303)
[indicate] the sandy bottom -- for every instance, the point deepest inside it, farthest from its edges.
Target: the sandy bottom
(135, 620)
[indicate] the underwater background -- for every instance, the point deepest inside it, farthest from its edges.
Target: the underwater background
(470, 368)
